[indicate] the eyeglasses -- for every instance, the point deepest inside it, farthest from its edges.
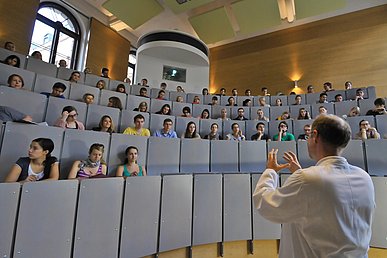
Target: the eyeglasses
(72, 115)
(364, 123)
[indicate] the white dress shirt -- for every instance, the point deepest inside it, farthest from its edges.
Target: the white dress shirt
(326, 210)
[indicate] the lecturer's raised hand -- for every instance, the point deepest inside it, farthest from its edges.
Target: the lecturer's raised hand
(272, 162)
(290, 157)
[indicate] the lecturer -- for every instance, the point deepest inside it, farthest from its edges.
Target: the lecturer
(326, 210)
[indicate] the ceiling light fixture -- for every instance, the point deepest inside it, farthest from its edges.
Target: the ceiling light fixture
(287, 9)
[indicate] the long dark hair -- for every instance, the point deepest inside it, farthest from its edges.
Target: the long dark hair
(186, 134)
(13, 57)
(47, 145)
(111, 128)
(165, 105)
(116, 102)
(127, 151)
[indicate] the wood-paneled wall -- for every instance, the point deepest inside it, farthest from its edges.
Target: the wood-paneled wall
(348, 47)
(108, 49)
(17, 19)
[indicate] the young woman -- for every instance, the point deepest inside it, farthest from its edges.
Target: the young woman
(190, 131)
(236, 134)
(131, 167)
(105, 125)
(231, 102)
(93, 166)
(100, 84)
(69, 119)
(12, 60)
(196, 100)
(161, 95)
(165, 110)
(142, 107)
(179, 99)
(285, 115)
(303, 114)
(75, 77)
(15, 81)
(205, 114)
(278, 102)
(37, 55)
(204, 91)
(39, 165)
(115, 102)
(121, 88)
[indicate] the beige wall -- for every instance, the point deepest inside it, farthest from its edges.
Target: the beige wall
(108, 49)
(348, 47)
(17, 19)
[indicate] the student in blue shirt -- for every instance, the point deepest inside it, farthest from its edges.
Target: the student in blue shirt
(57, 91)
(167, 131)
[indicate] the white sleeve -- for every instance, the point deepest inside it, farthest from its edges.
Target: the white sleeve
(284, 204)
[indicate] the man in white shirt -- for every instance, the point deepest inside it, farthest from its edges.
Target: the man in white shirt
(326, 210)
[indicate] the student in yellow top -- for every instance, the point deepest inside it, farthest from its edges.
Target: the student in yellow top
(138, 127)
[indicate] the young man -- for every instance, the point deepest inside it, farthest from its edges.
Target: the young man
(366, 131)
(105, 72)
(241, 115)
(166, 131)
(297, 100)
(283, 134)
(325, 210)
(379, 108)
(338, 98)
(328, 87)
(310, 89)
(359, 94)
(307, 131)
(57, 90)
(143, 93)
(62, 63)
(10, 46)
(138, 127)
(323, 98)
(260, 135)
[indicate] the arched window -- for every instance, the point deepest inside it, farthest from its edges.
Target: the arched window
(132, 65)
(56, 34)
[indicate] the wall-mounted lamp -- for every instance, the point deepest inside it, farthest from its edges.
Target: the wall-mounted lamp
(287, 9)
(295, 84)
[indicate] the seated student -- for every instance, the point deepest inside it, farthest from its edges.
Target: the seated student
(205, 114)
(322, 110)
(105, 72)
(12, 60)
(131, 168)
(241, 115)
(36, 55)
(323, 98)
(236, 134)
(205, 91)
(354, 111)
(214, 101)
(234, 92)
(74, 77)
(303, 114)
(297, 100)
(105, 125)
(57, 91)
(231, 102)
(143, 93)
(246, 103)
(379, 109)
(115, 102)
(166, 131)
(307, 133)
(88, 98)
(179, 99)
(69, 119)
(62, 63)
(248, 92)
(366, 131)
(165, 110)
(190, 131)
(138, 128)
(161, 95)
(8, 114)
(359, 94)
(262, 102)
(328, 87)
(278, 102)
(39, 165)
(348, 85)
(310, 89)
(92, 167)
(265, 91)
(260, 135)
(179, 89)
(100, 84)
(213, 135)
(284, 116)
(128, 80)
(222, 92)
(283, 134)
(186, 112)
(142, 107)
(223, 114)
(261, 116)
(10, 46)
(196, 100)
(121, 88)
(338, 98)
(144, 82)
(15, 81)
(87, 70)
(163, 86)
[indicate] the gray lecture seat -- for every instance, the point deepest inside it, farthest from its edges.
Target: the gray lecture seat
(135, 89)
(328, 106)
(205, 126)
(176, 212)
(54, 226)
(97, 228)
(291, 99)
(96, 112)
(44, 83)
(157, 121)
(29, 103)
(275, 111)
(224, 156)
(17, 139)
(4, 53)
(118, 145)
(354, 153)
(207, 209)
(282, 147)
(273, 127)
(343, 108)
(224, 100)
(9, 203)
(312, 98)
(234, 112)
(194, 156)
(38, 66)
(331, 95)
(376, 158)
(177, 108)
(181, 124)
(208, 99)
(251, 128)
(154, 93)
(91, 79)
(283, 98)
(227, 127)
(106, 94)
(127, 119)
(262, 228)
(56, 105)
(256, 100)
(191, 96)
(371, 92)
(237, 207)
(365, 105)
(216, 111)
(65, 74)
(241, 99)
(295, 110)
(197, 109)
(298, 126)
(7, 70)
(133, 102)
(78, 90)
(156, 105)
(303, 154)
(114, 83)
(354, 123)
(252, 156)
(76, 146)
(253, 111)
(351, 94)
(173, 95)
(139, 237)
(163, 156)
(379, 225)
(381, 125)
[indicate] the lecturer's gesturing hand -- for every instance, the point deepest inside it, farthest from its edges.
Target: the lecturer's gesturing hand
(272, 161)
(290, 157)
